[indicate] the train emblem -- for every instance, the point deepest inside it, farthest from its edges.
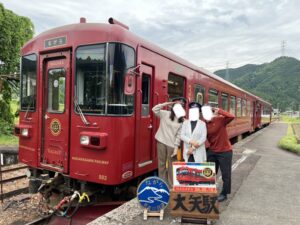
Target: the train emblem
(55, 127)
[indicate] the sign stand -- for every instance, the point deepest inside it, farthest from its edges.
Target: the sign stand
(159, 214)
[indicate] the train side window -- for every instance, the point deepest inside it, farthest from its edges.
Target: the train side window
(225, 104)
(175, 86)
(199, 94)
(249, 108)
(232, 105)
(213, 98)
(244, 108)
(28, 82)
(146, 85)
(238, 107)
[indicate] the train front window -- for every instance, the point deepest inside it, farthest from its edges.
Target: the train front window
(91, 78)
(28, 82)
(100, 75)
(121, 58)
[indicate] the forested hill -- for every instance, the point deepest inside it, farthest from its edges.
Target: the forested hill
(277, 82)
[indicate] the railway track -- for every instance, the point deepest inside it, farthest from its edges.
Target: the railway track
(83, 216)
(13, 180)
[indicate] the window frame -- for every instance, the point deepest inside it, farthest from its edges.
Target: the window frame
(106, 77)
(227, 100)
(233, 97)
(244, 107)
(202, 88)
(238, 107)
(210, 90)
(47, 108)
(183, 85)
(21, 81)
(148, 77)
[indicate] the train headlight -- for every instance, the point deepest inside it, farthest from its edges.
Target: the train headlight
(25, 132)
(84, 140)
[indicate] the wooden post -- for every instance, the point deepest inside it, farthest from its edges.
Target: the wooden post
(1, 185)
(159, 214)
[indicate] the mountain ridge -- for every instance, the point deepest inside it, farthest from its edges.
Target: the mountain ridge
(278, 82)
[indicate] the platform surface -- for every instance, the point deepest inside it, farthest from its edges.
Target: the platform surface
(265, 187)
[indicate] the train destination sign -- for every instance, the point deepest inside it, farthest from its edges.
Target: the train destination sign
(53, 42)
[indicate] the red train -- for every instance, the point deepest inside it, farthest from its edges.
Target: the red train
(87, 90)
(188, 175)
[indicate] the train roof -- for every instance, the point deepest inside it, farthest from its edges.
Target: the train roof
(119, 33)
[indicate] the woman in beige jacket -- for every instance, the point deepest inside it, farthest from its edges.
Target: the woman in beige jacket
(168, 137)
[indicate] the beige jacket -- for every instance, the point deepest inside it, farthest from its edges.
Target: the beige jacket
(169, 131)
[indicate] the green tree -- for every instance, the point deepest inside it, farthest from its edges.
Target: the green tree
(15, 30)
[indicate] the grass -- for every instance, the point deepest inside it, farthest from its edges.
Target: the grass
(9, 140)
(289, 142)
(289, 119)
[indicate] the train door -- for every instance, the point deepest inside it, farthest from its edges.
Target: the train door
(144, 118)
(257, 115)
(56, 110)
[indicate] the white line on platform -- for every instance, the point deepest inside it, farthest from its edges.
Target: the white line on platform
(238, 162)
(246, 153)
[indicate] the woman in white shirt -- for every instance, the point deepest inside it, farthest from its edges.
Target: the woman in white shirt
(193, 134)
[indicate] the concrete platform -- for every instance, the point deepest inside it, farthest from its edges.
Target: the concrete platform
(13, 149)
(265, 187)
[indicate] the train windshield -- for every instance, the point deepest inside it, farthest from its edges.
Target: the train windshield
(28, 82)
(100, 75)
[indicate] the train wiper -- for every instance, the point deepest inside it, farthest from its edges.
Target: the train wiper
(77, 107)
(28, 107)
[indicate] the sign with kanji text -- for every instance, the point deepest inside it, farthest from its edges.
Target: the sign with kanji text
(194, 205)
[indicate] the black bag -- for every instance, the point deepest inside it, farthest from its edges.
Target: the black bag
(191, 158)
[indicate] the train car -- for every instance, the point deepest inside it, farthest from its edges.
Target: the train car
(266, 113)
(188, 175)
(87, 91)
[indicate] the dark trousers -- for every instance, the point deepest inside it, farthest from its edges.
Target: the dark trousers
(224, 161)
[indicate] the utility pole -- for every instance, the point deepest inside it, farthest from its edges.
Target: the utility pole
(283, 45)
(227, 76)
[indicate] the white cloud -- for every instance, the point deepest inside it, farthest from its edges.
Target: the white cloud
(205, 32)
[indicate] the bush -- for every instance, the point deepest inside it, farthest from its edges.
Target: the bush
(6, 128)
(289, 142)
(6, 116)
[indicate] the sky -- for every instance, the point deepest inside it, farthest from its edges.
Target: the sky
(208, 33)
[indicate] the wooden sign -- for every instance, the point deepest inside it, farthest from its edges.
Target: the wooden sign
(194, 205)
